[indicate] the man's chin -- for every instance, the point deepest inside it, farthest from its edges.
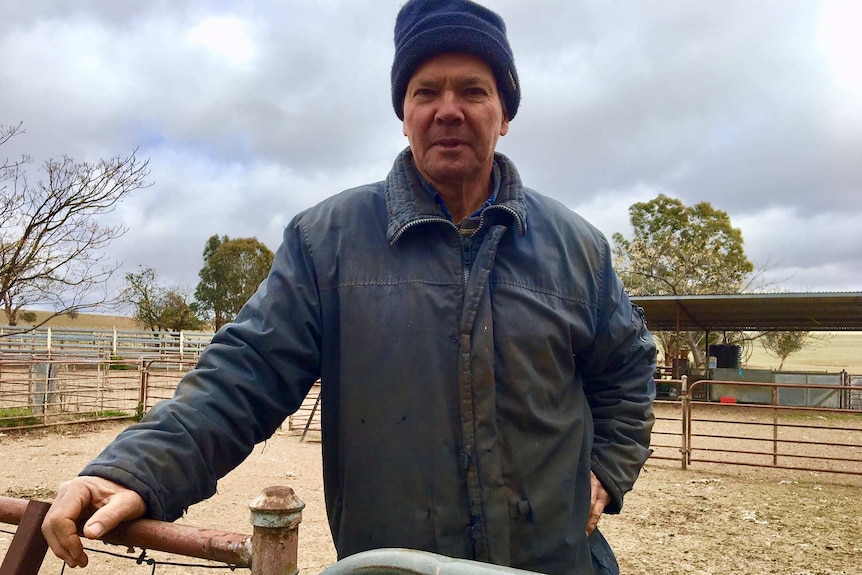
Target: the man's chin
(447, 172)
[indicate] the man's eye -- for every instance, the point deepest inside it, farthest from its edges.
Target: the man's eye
(423, 92)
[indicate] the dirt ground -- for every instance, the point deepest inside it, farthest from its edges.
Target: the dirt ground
(705, 521)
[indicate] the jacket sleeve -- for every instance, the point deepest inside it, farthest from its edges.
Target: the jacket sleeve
(618, 382)
(255, 373)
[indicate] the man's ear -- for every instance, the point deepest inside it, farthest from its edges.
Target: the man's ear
(504, 126)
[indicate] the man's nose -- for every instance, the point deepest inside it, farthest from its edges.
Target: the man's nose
(449, 109)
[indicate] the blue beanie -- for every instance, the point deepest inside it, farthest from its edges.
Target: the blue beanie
(426, 28)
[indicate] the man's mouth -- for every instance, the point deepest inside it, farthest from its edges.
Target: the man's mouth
(449, 142)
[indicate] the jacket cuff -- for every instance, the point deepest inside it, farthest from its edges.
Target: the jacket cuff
(616, 503)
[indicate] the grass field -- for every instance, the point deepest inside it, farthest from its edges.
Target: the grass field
(830, 352)
(86, 320)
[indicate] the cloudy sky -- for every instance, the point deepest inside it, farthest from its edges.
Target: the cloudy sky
(250, 111)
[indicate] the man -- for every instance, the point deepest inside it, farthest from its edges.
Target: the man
(486, 383)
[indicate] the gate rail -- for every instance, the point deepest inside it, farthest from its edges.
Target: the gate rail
(767, 435)
(271, 549)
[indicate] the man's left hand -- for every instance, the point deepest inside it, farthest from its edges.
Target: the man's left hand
(599, 497)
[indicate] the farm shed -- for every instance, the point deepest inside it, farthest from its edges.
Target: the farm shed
(835, 311)
(839, 311)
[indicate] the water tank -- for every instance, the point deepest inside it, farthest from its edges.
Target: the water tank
(726, 355)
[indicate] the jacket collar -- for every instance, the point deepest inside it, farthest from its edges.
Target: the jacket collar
(408, 204)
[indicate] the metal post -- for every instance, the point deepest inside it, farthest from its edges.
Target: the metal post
(144, 391)
(275, 515)
(28, 547)
(685, 402)
(775, 426)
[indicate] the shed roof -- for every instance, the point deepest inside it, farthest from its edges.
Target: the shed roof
(838, 311)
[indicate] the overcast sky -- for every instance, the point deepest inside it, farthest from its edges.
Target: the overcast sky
(250, 111)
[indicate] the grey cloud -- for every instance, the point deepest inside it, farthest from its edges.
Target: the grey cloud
(726, 102)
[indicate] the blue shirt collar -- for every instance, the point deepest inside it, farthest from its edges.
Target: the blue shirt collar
(495, 188)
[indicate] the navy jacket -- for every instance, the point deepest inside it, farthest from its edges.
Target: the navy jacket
(462, 406)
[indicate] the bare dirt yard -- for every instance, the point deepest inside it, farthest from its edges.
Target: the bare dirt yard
(705, 521)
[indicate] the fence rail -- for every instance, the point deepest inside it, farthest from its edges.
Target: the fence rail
(101, 343)
(793, 437)
(271, 549)
(46, 391)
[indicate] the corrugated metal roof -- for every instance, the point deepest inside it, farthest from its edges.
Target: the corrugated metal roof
(839, 311)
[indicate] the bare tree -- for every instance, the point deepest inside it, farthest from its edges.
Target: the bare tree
(51, 239)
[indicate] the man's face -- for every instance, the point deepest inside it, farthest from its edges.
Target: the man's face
(453, 118)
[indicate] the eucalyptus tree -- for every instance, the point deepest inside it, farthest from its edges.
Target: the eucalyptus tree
(232, 271)
(677, 249)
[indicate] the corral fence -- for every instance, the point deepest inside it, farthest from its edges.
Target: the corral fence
(809, 426)
(101, 343)
(56, 376)
(40, 391)
(812, 426)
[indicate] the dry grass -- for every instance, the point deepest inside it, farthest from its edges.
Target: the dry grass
(86, 320)
(830, 352)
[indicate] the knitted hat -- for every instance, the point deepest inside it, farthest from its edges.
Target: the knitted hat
(426, 28)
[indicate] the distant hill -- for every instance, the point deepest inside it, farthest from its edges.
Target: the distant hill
(85, 320)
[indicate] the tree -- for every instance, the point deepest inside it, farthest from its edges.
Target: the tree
(51, 236)
(142, 293)
(782, 344)
(158, 308)
(682, 250)
(678, 249)
(232, 271)
(180, 311)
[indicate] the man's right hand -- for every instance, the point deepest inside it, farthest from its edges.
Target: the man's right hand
(112, 503)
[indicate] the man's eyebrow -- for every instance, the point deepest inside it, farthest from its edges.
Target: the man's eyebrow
(426, 80)
(473, 80)
(466, 80)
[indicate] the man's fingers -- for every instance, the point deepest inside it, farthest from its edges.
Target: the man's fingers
(75, 499)
(596, 510)
(118, 507)
(62, 538)
(60, 529)
(599, 497)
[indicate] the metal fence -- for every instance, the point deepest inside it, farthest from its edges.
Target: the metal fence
(271, 549)
(101, 343)
(45, 391)
(802, 437)
(805, 426)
